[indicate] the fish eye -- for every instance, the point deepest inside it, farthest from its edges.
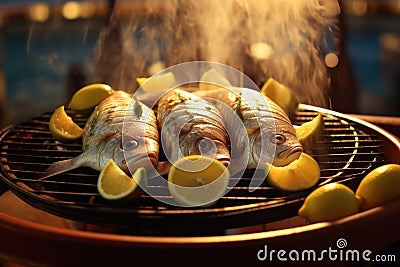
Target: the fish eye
(205, 145)
(279, 139)
(130, 145)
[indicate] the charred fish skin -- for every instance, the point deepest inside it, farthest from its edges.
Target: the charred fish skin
(194, 125)
(120, 128)
(269, 129)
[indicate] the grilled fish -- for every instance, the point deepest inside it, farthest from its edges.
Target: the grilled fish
(271, 135)
(191, 126)
(103, 137)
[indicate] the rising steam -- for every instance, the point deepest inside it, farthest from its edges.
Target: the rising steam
(262, 38)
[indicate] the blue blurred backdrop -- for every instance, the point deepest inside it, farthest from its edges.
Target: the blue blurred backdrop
(40, 47)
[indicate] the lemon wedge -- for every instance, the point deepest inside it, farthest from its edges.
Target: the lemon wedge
(141, 80)
(63, 128)
(212, 79)
(197, 180)
(281, 95)
(330, 202)
(115, 184)
(380, 186)
(89, 96)
(157, 82)
(309, 132)
(300, 174)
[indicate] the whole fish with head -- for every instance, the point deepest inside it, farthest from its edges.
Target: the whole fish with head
(190, 125)
(120, 128)
(269, 129)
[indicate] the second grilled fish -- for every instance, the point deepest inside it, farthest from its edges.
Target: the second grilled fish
(191, 126)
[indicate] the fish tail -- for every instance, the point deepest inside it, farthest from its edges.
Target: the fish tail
(60, 167)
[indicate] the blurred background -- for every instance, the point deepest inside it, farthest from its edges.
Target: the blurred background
(47, 51)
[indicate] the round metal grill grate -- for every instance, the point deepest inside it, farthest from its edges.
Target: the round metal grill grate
(346, 152)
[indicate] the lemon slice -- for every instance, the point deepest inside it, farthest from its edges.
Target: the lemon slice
(309, 132)
(89, 96)
(115, 184)
(212, 79)
(197, 180)
(300, 174)
(380, 186)
(141, 80)
(157, 82)
(63, 128)
(281, 95)
(330, 202)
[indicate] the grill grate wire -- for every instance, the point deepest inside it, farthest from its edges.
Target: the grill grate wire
(345, 154)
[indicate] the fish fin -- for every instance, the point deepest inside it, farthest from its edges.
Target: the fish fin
(236, 107)
(68, 164)
(59, 167)
(137, 108)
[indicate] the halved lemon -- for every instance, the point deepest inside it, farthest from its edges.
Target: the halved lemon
(330, 202)
(115, 184)
(212, 79)
(63, 128)
(281, 95)
(157, 82)
(300, 174)
(90, 96)
(309, 132)
(197, 180)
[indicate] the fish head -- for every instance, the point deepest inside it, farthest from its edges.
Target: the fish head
(277, 147)
(288, 148)
(139, 151)
(130, 151)
(198, 144)
(139, 145)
